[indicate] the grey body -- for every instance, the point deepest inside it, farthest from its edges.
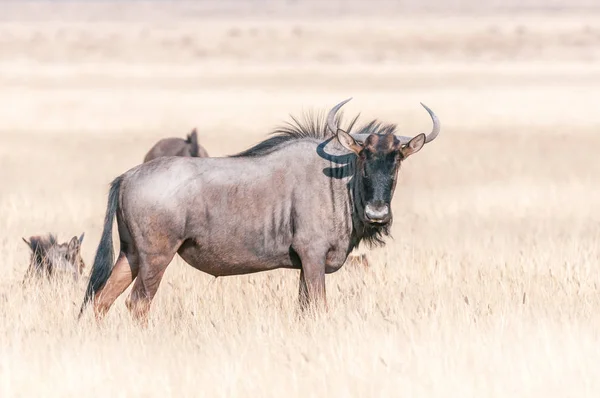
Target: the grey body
(242, 215)
(188, 147)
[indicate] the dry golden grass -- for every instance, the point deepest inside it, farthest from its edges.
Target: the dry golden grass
(488, 289)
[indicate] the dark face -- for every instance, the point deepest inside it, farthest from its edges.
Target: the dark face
(378, 164)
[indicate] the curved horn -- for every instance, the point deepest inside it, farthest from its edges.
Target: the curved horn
(434, 131)
(334, 128)
(331, 116)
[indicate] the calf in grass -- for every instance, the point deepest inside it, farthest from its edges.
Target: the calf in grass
(48, 257)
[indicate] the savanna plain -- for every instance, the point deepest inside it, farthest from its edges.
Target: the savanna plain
(489, 286)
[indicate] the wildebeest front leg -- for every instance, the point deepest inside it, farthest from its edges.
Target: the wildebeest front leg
(312, 283)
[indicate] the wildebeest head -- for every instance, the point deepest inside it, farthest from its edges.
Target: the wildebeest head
(380, 153)
(49, 257)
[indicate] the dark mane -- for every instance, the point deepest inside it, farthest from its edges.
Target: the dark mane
(310, 126)
(377, 127)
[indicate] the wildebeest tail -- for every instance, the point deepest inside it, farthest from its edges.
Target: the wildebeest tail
(105, 254)
(192, 139)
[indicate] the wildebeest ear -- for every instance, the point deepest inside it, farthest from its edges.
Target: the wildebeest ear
(74, 243)
(348, 142)
(28, 243)
(81, 237)
(192, 137)
(413, 145)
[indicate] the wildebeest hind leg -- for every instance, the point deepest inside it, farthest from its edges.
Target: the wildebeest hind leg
(152, 269)
(123, 273)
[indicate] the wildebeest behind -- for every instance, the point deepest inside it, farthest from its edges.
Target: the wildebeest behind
(48, 257)
(177, 147)
(302, 199)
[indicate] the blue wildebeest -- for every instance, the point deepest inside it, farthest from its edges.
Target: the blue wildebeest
(177, 147)
(301, 199)
(48, 257)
